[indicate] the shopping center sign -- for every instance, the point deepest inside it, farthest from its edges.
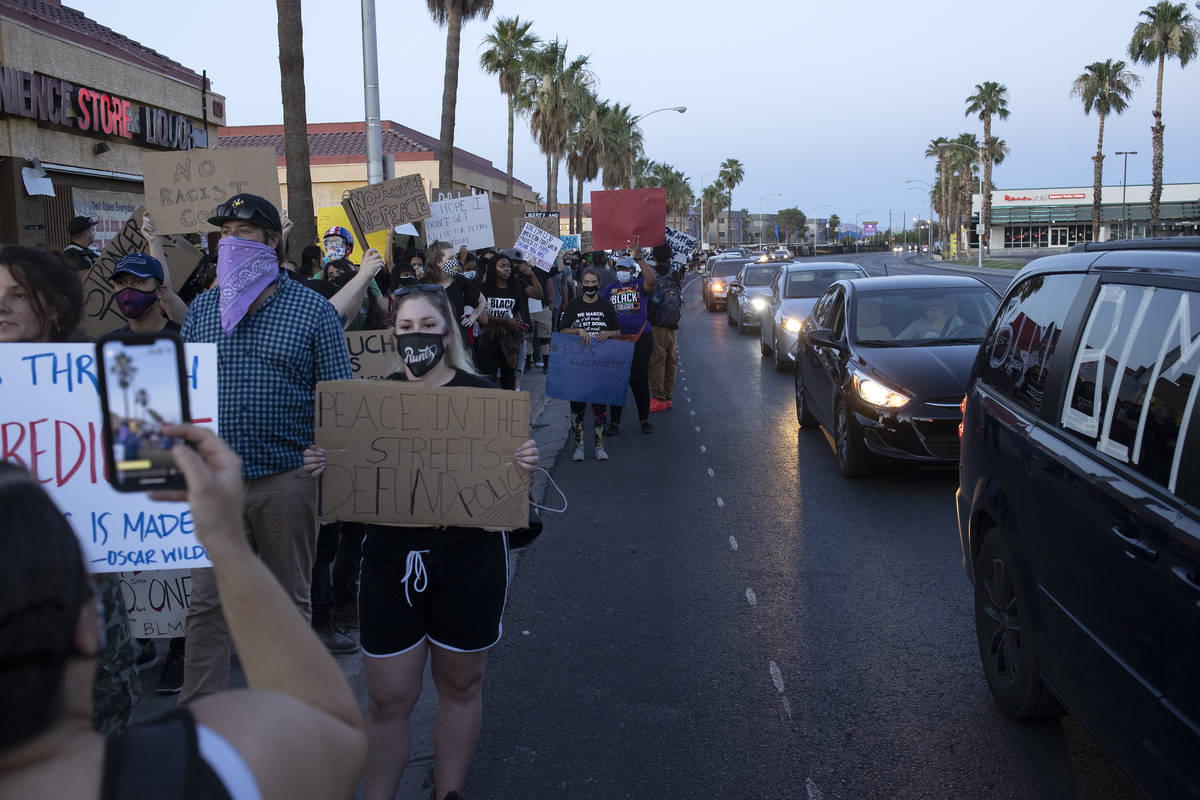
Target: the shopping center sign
(1043, 197)
(39, 97)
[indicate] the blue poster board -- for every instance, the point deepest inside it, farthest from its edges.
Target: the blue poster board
(591, 373)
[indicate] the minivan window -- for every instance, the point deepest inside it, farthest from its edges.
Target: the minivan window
(1145, 341)
(1024, 336)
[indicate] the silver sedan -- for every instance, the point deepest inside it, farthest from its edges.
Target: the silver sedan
(793, 293)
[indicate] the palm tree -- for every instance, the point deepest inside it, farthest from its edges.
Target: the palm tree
(452, 14)
(990, 98)
(555, 84)
(835, 222)
(124, 369)
(142, 398)
(714, 201)
(1168, 31)
(510, 44)
(962, 162)
(1104, 86)
(731, 175)
(583, 146)
(290, 31)
(937, 149)
(621, 139)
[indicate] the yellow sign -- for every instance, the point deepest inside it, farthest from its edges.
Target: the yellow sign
(336, 215)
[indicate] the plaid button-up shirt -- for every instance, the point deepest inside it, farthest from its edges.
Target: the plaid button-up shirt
(268, 369)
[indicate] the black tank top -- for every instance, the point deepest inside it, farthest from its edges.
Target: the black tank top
(159, 759)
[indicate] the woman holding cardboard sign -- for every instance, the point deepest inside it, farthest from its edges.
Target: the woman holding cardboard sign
(434, 592)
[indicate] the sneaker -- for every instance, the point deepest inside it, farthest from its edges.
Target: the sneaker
(147, 655)
(170, 678)
(578, 454)
(601, 453)
(612, 430)
(334, 640)
(647, 427)
(657, 405)
(345, 617)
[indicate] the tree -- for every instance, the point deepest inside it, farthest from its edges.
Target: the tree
(1104, 86)
(510, 45)
(555, 83)
(714, 201)
(792, 219)
(937, 149)
(835, 222)
(124, 369)
(621, 140)
(1168, 31)
(290, 30)
(990, 99)
(731, 175)
(452, 14)
(583, 149)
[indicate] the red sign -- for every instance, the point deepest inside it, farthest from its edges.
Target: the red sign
(102, 113)
(1011, 199)
(619, 217)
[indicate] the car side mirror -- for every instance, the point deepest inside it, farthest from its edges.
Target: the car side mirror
(735, 288)
(822, 337)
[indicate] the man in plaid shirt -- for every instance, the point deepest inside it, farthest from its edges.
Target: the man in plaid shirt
(275, 338)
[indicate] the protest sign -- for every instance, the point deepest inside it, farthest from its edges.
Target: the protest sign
(570, 241)
(405, 454)
(585, 242)
(538, 247)
(385, 205)
(50, 424)
(157, 602)
(589, 373)
(184, 188)
(620, 216)
(328, 216)
(546, 220)
(372, 353)
(109, 209)
(507, 222)
(682, 246)
(461, 221)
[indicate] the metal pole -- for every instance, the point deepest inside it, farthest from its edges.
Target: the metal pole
(981, 216)
(1124, 209)
(371, 91)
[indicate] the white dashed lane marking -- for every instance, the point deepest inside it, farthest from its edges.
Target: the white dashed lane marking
(697, 429)
(813, 792)
(703, 449)
(720, 503)
(777, 677)
(751, 598)
(732, 543)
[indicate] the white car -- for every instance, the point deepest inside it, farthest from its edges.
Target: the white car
(793, 293)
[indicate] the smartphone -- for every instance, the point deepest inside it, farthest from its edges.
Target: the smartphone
(143, 385)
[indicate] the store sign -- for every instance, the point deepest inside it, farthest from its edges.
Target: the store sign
(1044, 197)
(39, 97)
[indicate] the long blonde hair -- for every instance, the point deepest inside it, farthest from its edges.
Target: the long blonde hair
(456, 351)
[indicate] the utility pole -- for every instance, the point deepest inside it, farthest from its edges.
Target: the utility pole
(1124, 173)
(371, 92)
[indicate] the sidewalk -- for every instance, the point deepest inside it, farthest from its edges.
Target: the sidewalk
(549, 427)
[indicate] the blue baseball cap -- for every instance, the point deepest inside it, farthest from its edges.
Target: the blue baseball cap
(140, 265)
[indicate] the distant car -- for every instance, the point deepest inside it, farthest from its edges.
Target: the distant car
(748, 295)
(781, 254)
(715, 289)
(882, 365)
(924, 248)
(898, 249)
(790, 300)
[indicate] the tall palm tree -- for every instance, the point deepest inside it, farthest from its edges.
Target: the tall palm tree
(1168, 31)
(509, 46)
(124, 369)
(990, 99)
(963, 164)
(583, 145)
(621, 141)
(452, 14)
(937, 149)
(290, 31)
(555, 84)
(1104, 86)
(714, 201)
(731, 175)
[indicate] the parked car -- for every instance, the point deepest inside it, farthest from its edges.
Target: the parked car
(1079, 501)
(715, 289)
(748, 295)
(882, 365)
(793, 293)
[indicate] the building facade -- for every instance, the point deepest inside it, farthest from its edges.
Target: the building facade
(79, 105)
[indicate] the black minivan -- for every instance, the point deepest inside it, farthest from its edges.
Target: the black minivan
(1079, 501)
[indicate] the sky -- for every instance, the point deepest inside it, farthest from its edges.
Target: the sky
(828, 112)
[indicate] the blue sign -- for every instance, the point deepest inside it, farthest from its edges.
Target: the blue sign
(589, 373)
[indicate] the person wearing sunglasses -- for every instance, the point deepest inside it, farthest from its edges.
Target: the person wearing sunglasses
(276, 339)
(433, 593)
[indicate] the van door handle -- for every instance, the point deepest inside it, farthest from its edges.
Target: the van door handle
(1135, 547)
(1181, 574)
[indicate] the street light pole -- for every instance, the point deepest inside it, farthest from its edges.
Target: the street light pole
(1124, 173)
(703, 176)
(633, 122)
(976, 152)
(930, 187)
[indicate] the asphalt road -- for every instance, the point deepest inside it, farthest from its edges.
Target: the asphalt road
(719, 614)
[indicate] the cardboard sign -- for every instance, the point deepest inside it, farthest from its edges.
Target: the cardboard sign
(570, 241)
(50, 424)
(546, 220)
(589, 373)
(184, 188)
(620, 216)
(507, 222)
(538, 247)
(385, 205)
(585, 242)
(372, 353)
(461, 221)
(682, 246)
(157, 602)
(328, 216)
(411, 455)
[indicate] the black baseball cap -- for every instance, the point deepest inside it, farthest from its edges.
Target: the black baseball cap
(79, 225)
(248, 208)
(513, 254)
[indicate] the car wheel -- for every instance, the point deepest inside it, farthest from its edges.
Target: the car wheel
(1005, 634)
(852, 461)
(781, 362)
(804, 415)
(729, 315)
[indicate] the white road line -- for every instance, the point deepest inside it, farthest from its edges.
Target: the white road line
(751, 598)
(776, 677)
(697, 429)
(703, 449)
(689, 399)
(787, 707)
(720, 503)
(692, 413)
(813, 792)
(710, 472)
(732, 543)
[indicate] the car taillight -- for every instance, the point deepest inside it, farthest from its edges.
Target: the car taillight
(963, 408)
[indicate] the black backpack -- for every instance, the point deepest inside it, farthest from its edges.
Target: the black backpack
(666, 304)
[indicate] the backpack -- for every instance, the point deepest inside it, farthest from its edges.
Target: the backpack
(666, 304)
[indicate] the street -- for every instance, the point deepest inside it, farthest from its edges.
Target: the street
(719, 614)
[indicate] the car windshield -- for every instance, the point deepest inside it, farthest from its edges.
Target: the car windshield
(758, 276)
(727, 267)
(814, 282)
(918, 317)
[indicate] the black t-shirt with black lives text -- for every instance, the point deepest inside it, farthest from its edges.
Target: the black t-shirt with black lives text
(591, 317)
(461, 293)
(507, 303)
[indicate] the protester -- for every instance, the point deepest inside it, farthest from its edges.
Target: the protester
(275, 341)
(203, 278)
(590, 317)
(629, 296)
(600, 263)
(82, 231)
(541, 319)
(142, 287)
(365, 311)
(310, 261)
(435, 592)
(297, 732)
(503, 334)
(443, 269)
(563, 289)
(665, 308)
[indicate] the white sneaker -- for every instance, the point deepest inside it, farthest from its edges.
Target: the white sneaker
(578, 454)
(601, 454)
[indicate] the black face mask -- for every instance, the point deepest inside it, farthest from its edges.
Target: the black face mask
(421, 352)
(590, 290)
(406, 280)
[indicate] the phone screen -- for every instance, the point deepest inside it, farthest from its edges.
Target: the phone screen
(143, 388)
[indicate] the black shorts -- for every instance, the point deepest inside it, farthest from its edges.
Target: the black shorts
(453, 594)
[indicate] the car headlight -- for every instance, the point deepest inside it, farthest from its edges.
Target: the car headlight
(717, 286)
(758, 303)
(878, 394)
(791, 325)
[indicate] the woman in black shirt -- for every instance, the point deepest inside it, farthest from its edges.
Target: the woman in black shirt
(499, 344)
(589, 317)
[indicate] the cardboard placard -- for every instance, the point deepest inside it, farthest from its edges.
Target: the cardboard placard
(620, 216)
(372, 353)
(409, 455)
(592, 373)
(381, 206)
(184, 188)
(570, 241)
(157, 602)
(682, 246)
(507, 222)
(585, 242)
(461, 221)
(546, 220)
(50, 424)
(538, 247)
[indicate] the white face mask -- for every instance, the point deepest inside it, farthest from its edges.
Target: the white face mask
(335, 248)
(623, 275)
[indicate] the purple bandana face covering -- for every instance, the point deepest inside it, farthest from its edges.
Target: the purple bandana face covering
(244, 270)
